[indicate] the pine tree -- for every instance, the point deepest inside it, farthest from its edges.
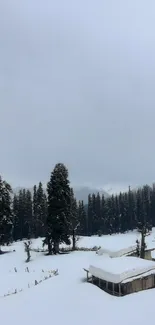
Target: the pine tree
(146, 192)
(90, 216)
(82, 229)
(110, 206)
(6, 221)
(139, 208)
(152, 205)
(35, 210)
(15, 212)
(117, 219)
(40, 211)
(45, 209)
(21, 213)
(103, 216)
(131, 210)
(74, 220)
(59, 204)
(124, 208)
(94, 215)
(28, 222)
(97, 214)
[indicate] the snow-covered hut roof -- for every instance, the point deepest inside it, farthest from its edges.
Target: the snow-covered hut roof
(117, 253)
(118, 270)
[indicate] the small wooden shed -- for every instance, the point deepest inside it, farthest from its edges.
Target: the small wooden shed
(122, 276)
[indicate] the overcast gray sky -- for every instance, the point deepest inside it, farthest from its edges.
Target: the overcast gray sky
(77, 85)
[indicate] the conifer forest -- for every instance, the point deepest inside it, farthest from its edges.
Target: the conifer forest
(54, 213)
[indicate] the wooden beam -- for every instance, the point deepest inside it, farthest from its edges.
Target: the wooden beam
(87, 274)
(119, 286)
(113, 288)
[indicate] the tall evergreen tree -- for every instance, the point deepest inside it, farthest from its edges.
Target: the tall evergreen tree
(131, 210)
(90, 215)
(59, 204)
(117, 219)
(97, 214)
(40, 211)
(6, 221)
(21, 213)
(28, 222)
(16, 222)
(146, 192)
(152, 205)
(74, 220)
(82, 229)
(103, 215)
(35, 210)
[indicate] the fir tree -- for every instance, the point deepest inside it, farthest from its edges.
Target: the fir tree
(152, 205)
(21, 213)
(6, 221)
(146, 192)
(28, 222)
(90, 215)
(40, 212)
(74, 220)
(97, 213)
(117, 219)
(35, 210)
(59, 204)
(103, 215)
(15, 212)
(82, 229)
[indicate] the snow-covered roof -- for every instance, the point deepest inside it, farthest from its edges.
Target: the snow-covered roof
(117, 253)
(118, 269)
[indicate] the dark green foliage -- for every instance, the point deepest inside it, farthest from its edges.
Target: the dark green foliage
(16, 225)
(121, 213)
(22, 215)
(40, 211)
(90, 216)
(59, 216)
(6, 220)
(74, 218)
(34, 209)
(82, 217)
(59, 208)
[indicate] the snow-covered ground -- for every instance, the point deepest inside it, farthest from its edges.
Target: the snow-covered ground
(67, 298)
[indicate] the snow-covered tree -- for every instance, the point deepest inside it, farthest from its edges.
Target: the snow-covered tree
(59, 204)
(6, 221)
(74, 220)
(40, 211)
(16, 223)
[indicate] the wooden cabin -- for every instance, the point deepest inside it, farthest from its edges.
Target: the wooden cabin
(122, 276)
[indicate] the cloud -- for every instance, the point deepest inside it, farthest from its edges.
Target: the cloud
(77, 86)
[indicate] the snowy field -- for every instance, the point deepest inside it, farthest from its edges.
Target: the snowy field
(67, 298)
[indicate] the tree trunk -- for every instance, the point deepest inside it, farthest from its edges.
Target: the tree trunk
(74, 240)
(49, 247)
(56, 248)
(142, 251)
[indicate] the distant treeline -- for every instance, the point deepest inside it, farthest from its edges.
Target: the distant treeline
(57, 215)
